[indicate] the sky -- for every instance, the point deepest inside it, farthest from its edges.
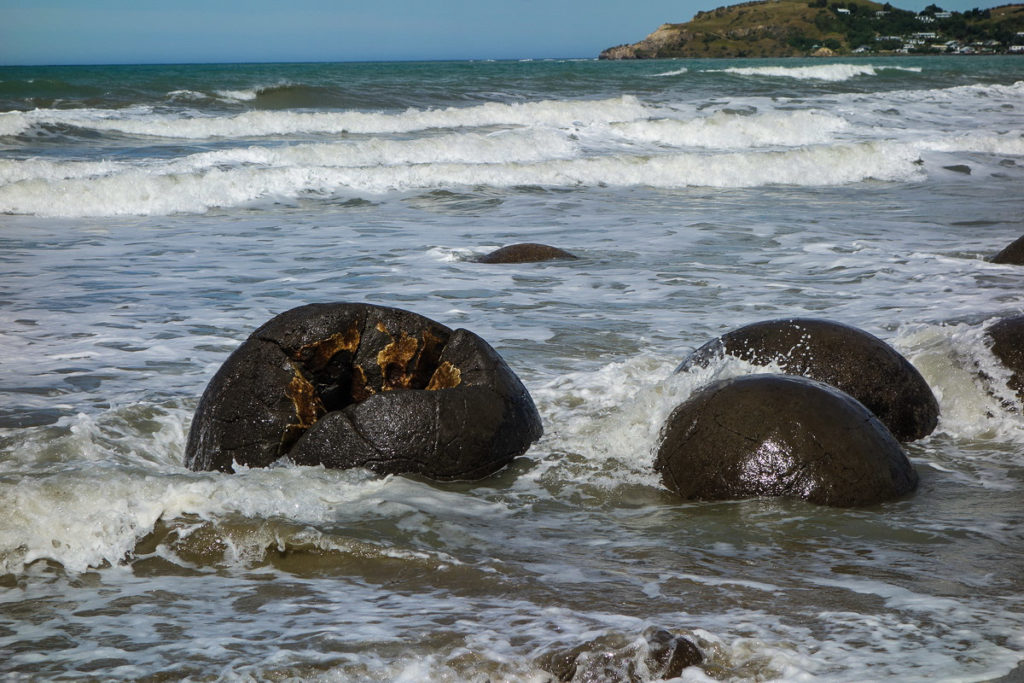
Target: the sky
(179, 31)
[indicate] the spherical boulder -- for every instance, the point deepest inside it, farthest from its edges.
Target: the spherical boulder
(527, 252)
(849, 359)
(1007, 338)
(355, 385)
(1013, 254)
(781, 435)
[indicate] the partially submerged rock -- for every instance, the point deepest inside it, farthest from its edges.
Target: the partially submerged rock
(1007, 337)
(1012, 254)
(849, 359)
(659, 655)
(355, 385)
(526, 252)
(781, 435)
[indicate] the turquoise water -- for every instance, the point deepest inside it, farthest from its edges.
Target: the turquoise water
(152, 217)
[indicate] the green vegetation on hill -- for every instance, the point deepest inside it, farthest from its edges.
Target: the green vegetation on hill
(789, 28)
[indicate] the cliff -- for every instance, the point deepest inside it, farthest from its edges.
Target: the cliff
(790, 28)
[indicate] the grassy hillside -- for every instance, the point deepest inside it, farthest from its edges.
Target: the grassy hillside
(784, 28)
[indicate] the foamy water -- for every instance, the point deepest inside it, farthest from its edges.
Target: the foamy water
(823, 72)
(147, 234)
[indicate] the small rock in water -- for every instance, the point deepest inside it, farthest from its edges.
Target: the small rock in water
(527, 252)
(959, 168)
(659, 655)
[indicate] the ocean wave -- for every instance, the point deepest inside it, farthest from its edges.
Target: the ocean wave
(1010, 143)
(959, 95)
(731, 131)
(191, 95)
(821, 72)
(238, 95)
(971, 384)
(95, 505)
(270, 123)
(511, 146)
(674, 72)
(140, 191)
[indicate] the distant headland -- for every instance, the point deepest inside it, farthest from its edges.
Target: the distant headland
(800, 28)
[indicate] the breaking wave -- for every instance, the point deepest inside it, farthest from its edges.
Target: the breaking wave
(270, 123)
(170, 189)
(823, 72)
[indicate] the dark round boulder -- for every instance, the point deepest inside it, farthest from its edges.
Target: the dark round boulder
(527, 252)
(1013, 254)
(1007, 338)
(781, 435)
(849, 359)
(355, 385)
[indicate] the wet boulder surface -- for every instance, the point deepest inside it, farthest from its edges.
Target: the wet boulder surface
(1012, 254)
(1007, 337)
(526, 252)
(657, 655)
(781, 435)
(356, 385)
(845, 357)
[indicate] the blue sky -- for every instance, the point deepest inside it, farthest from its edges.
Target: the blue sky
(144, 31)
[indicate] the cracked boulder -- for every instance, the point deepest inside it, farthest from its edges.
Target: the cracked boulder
(526, 252)
(356, 385)
(849, 359)
(1007, 337)
(781, 435)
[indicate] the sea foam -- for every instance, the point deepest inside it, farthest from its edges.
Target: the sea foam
(822, 72)
(141, 191)
(268, 123)
(732, 131)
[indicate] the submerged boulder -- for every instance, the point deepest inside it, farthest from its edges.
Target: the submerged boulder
(355, 385)
(1007, 337)
(849, 359)
(658, 655)
(1013, 254)
(781, 435)
(527, 252)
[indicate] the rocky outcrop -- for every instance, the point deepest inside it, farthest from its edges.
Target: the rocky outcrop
(1013, 254)
(355, 385)
(789, 28)
(849, 359)
(526, 252)
(780, 435)
(1007, 337)
(666, 38)
(660, 655)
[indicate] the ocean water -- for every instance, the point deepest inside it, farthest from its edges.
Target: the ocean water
(152, 217)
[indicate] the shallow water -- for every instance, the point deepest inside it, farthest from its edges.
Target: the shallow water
(155, 216)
